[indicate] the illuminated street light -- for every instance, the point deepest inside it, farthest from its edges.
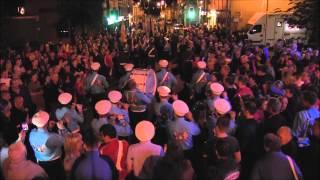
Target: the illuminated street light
(21, 11)
(113, 17)
(158, 4)
(191, 13)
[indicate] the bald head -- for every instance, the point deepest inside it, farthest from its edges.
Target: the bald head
(284, 134)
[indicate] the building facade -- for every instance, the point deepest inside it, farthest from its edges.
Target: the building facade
(243, 10)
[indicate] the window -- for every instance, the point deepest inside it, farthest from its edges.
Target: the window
(279, 24)
(256, 29)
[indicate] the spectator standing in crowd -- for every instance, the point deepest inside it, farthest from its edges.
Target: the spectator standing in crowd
(226, 167)
(36, 92)
(274, 119)
(73, 148)
(221, 132)
(173, 165)
(16, 166)
(247, 135)
(9, 132)
(305, 119)
(275, 164)
(289, 144)
(314, 158)
(91, 165)
(115, 149)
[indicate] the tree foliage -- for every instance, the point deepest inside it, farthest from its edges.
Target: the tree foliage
(306, 13)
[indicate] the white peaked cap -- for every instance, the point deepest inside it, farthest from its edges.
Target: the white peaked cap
(144, 131)
(163, 91)
(95, 66)
(40, 119)
(201, 64)
(216, 88)
(114, 96)
(228, 60)
(163, 63)
(221, 106)
(180, 108)
(65, 98)
(103, 107)
(128, 67)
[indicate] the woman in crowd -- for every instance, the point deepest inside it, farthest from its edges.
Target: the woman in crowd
(36, 92)
(73, 147)
(16, 166)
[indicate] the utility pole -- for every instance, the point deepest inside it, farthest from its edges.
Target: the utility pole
(265, 28)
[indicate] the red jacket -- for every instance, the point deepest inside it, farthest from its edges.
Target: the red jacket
(245, 91)
(111, 150)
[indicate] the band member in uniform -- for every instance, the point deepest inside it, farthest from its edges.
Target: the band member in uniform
(125, 78)
(160, 102)
(102, 108)
(216, 89)
(68, 114)
(119, 115)
(138, 102)
(183, 127)
(161, 112)
(47, 146)
(199, 79)
(151, 54)
(164, 77)
(96, 84)
(138, 153)
(221, 108)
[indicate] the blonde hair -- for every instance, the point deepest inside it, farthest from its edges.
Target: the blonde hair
(71, 141)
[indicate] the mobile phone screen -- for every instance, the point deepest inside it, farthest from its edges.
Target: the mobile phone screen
(25, 126)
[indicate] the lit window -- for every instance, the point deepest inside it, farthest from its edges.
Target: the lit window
(279, 24)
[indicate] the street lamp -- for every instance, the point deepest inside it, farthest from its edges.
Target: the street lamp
(21, 11)
(191, 13)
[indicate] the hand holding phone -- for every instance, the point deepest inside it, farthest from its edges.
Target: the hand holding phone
(25, 126)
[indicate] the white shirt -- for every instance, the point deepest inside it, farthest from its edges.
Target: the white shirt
(139, 152)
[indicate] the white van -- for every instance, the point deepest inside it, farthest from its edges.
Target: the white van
(268, 28)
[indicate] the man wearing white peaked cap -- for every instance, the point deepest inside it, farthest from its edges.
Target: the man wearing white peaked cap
(183, 127)
(200, 77)
(164, 77)
(123, 81)
(138, 153)
(102, 108)
(96, 84)
(119, 115)
(47, 145)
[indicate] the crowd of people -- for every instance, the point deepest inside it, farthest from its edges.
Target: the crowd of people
(223, 108)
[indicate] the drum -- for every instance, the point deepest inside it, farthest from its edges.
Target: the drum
(145, 79)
